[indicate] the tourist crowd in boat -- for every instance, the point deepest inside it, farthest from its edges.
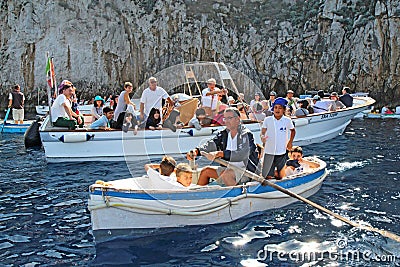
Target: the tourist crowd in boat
(119, 112)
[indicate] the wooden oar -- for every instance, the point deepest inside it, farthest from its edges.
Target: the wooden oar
(5, 119)
(305, 200)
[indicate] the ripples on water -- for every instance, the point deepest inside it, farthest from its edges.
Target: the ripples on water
(44, 218)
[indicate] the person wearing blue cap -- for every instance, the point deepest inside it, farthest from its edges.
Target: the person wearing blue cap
(276, 140)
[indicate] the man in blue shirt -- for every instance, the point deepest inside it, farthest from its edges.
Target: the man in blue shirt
(104, 121)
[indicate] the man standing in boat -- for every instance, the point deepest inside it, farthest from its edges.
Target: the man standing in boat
(235, 144)
(152, 98)
(16, 101)
(346, 98)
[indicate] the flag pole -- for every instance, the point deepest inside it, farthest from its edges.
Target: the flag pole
(48, 63)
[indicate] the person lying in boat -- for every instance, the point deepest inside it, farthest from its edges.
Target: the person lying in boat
(296, 164)
(235, 144)
(104, 121)
(154, 120)
(184, 174)
(166, 167)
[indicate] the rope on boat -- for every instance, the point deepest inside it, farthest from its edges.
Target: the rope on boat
(140, 208)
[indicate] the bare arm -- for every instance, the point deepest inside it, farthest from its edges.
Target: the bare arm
(263, 137)
(153, 166)
(128, 101)
(215, 91)
(141, 110)
(292, 135)
(69, 111)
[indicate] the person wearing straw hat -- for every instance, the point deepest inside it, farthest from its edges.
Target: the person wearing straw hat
(209, 97)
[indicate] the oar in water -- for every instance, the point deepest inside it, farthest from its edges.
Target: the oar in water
(5, 119)
(305, 200)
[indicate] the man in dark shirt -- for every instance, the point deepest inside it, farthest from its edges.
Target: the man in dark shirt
(16, 101)
(346, 98)
(235, 144)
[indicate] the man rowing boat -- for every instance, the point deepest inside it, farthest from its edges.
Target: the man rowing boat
(235, 144)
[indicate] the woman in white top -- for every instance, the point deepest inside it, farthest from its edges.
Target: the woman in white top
(124, 100)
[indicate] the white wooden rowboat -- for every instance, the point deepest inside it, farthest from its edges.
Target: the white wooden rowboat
(137, 203)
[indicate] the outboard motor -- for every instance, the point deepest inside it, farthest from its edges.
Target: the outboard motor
(32, 136)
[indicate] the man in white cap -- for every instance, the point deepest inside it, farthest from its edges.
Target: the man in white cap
(292, 102)
(209, 97)
(152, 98)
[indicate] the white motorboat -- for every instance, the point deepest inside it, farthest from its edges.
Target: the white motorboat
(61, 144)
(150, 202)
(83, 109)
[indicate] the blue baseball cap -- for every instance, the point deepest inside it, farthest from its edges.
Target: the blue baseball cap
(280, 101)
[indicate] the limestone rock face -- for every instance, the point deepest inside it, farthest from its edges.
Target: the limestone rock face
(280, 45)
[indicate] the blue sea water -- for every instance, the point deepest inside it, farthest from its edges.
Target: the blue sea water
(44, 219)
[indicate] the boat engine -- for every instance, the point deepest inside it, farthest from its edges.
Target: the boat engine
(32, 136)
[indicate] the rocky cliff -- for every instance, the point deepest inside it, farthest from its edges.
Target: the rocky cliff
(280, 44)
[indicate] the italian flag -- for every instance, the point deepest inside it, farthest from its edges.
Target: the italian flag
(50, 74)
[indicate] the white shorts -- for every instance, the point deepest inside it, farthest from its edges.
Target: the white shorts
(18, 114)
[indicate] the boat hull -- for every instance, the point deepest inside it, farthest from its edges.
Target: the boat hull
(116, 209)
(15, 128)
(117, 145)
(381, 116)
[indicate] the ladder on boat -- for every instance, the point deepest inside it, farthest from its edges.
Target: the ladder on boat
(226, 77)
(190, 77)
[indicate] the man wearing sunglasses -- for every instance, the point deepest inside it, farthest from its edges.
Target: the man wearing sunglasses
(235, 144)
